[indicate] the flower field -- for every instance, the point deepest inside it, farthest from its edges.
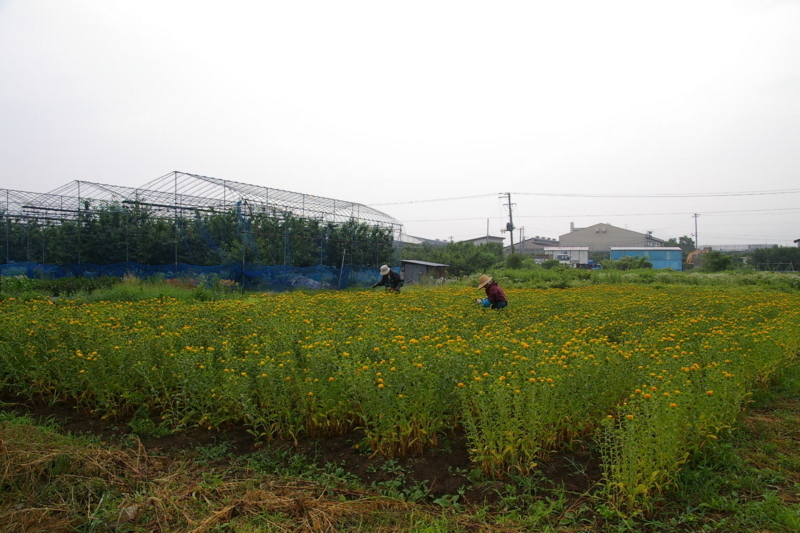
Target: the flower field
(650, 374)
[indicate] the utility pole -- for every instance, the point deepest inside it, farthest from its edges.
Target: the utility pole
(8, 227)
(696, 240)
(510, 225)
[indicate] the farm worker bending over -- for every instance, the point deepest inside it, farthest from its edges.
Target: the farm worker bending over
(495, 297)
(390, 279)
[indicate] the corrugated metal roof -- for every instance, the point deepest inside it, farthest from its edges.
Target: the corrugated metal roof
(670, 248)
(425, 263)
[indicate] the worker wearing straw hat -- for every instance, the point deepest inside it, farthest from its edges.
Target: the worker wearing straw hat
(495, 297)
(390, 279)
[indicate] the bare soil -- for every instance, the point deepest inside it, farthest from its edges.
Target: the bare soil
(445, 469)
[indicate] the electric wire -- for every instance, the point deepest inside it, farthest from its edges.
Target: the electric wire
(578, 195)
(664, 195)
(606, 215)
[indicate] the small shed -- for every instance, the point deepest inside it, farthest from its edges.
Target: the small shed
(415, 270)
(659, 256)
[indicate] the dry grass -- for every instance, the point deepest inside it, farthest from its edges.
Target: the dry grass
(53, 483)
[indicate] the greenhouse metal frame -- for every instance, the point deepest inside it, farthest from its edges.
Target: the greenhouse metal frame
(180, 190)
(179, 195)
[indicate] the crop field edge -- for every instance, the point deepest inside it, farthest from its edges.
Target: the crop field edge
(746, 481)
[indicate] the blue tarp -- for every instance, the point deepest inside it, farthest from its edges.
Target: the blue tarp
(252, 277)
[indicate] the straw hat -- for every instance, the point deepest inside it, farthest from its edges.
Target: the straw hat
(483, 280)
(384, 270)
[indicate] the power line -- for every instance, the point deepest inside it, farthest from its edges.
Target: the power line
(435, 200)
(453, 219)
(574, 195)
(737, 235)
(663, 214)
(752, 210)
(609, 215)
(665, 195)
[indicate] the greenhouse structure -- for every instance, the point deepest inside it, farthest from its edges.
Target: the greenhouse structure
(182, 224)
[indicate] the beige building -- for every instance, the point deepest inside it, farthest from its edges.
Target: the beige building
(485, 240)
(601, 237)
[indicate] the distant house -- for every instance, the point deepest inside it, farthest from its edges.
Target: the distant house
(568, 255)
(534, 245)
(486, 239)
(660, 257)
(601, 237)
(410, 239)
(416, 270)
(797, 242)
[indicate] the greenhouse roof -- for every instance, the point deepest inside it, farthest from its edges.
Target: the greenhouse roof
(180, 190)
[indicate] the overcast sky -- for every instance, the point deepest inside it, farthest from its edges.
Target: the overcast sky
(426, 110)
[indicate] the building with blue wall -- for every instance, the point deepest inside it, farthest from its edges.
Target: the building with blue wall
(659, 256)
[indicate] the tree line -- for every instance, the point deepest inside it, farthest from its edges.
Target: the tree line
(462, 258)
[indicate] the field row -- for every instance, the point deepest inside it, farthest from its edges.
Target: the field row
(652, 374)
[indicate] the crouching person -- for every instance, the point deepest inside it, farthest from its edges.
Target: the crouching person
(495, 297)
(390, 279)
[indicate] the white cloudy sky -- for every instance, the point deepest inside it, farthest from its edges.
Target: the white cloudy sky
(568, 105)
